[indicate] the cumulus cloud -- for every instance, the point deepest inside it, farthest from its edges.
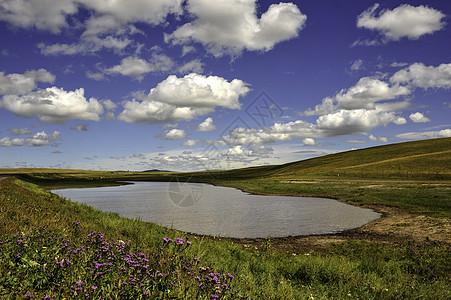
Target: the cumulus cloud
(340, 123)
(275, 133)
(405, 20)
(108, 26)
(419, 118)
(35, 140)
(206, 125)
(54, 105)
(175, 134)
(175, 99)
(42, 138)
(137, 67)
(19, 84)
(425, 135)
(419, 75)
(345, 122)
(309, 142)
(41, 14)
(229, 27)
(106, 16)
(363, 95)
(151, 12)
(7, 142)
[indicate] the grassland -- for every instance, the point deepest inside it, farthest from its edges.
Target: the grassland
(404, 255)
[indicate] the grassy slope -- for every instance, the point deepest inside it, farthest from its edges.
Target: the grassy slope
(419, 159)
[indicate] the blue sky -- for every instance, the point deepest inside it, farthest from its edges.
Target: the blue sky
(200, 84)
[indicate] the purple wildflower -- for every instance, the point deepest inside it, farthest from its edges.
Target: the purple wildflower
(179, 241)
(167, 240)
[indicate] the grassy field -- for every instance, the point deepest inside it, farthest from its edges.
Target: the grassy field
(52, 247)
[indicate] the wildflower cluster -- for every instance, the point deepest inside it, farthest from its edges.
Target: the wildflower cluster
(51, 266)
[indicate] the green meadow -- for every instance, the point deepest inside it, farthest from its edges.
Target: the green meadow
(52, 248)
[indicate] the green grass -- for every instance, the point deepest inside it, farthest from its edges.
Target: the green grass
(350, 270)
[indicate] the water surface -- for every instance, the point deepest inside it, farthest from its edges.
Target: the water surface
(221, 211)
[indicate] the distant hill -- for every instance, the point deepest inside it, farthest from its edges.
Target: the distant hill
(417, 159)
(154, 171)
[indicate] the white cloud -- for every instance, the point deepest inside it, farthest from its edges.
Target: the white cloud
(54, 105)
(398, 64)
(363, 95)
(419, 118)
(340, 123)
(193, 66)
(175, 134)
(52, 15)
(137, 67)
(97, 76)
(6, 142)
(309, 142)
(108, 25)
(199, 91)
(403, 21)
(231, 26)
(87, 45)
(425, 135)
(190, 143)
(275, 133)
(206, 125)
(38, 139)
(368, 91)
(109, 105)
(175, 99)
(19, 84)
(345, 122)
(42, 14)
(42, 138)
(378, 139)
(151, 12)
(419, 75)
(188, 49)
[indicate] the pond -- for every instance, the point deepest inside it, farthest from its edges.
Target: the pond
(219, 211)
